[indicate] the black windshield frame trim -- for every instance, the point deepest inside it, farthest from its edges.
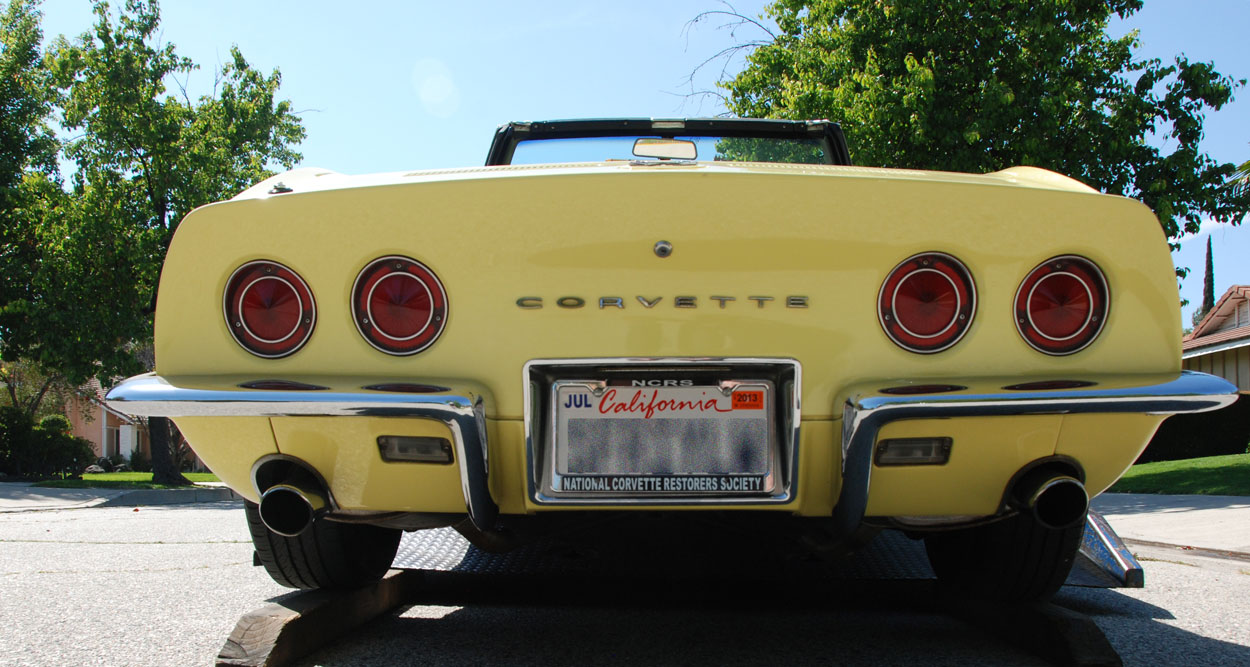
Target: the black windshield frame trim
(508, 136)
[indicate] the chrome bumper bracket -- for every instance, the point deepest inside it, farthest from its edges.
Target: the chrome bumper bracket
(460, 405)
(867, 412)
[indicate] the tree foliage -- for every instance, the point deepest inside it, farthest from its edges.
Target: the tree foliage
(31, 390)
(144, 157)
(1240, 180)
(27, 151)
(1208, 290)
(978, 87)
(144, 153)
(40, 450)
(1208, 281)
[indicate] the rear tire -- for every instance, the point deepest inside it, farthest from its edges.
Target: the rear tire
(1012, 560)
(326, 555)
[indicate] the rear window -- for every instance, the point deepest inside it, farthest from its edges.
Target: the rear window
(704, 149)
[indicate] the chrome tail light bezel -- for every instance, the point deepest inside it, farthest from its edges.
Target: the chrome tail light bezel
(243, 279)
(1091, 277)
(377, 337)
(949, 267)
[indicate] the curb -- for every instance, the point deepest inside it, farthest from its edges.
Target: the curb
(147, 497)
(1196, 551)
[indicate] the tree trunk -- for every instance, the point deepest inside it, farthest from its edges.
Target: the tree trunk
(164, 470)
(34, 403)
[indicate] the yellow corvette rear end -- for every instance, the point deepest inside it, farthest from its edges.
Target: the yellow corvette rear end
(868, 347)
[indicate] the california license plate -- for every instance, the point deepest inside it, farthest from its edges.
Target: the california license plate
(630, 438)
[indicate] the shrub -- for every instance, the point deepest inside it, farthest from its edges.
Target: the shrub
(55, 424)
(68, 456)
(16, 433)
(27, 450)
(139, 462)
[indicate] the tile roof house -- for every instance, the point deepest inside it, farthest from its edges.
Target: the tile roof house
(110, 432)
(1220, 344)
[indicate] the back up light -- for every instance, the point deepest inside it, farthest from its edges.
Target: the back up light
(927, 302)
(269, 309)
(399, 305)
(913, 452)
(413, 449)
(1062, 305)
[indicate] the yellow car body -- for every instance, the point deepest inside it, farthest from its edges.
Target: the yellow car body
(777, 263)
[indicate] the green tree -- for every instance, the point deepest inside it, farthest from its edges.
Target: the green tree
(1208, 288)
(28, 388)
(1208, 281)
(977, 87)
(144, 156)
(27, 151)
(1239, 182)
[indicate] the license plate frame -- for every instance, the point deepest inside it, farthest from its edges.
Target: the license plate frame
(744, 409)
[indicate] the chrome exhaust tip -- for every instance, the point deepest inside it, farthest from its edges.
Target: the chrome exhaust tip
(1055, 501)
(288, 509)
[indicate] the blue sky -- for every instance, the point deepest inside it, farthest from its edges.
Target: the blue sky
(388, 86)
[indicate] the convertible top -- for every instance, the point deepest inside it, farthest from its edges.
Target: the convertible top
(507, 136)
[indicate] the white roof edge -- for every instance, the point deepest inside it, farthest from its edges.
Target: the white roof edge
(1218, 347)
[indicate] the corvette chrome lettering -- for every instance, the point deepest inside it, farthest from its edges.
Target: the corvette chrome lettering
(648, 407)
(684, 301)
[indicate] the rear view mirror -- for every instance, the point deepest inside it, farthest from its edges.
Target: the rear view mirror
(666, 149)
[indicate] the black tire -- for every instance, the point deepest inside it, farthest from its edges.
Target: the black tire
(327, 555)
(1012, 560)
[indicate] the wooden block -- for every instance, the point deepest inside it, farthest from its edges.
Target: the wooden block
(281, 632)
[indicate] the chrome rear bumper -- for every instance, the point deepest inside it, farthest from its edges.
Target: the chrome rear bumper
(461, 406)
(458, 404)
(868, 410)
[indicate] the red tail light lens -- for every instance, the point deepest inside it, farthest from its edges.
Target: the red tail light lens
(1062, 305)
(927, 302)
(269, 309)
(399, 304)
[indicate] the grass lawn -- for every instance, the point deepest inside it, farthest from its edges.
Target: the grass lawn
(1211, 476)
(122, 480)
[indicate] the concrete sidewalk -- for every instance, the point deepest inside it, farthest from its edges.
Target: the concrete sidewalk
(1206, 522)
(22, 497)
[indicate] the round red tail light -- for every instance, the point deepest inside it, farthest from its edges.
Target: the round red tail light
(1062, 304)
(399, 304)
(927, 302)
(269, 309)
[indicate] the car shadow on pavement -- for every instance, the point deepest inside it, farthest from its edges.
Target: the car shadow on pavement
(1145, 634)
(524, 619)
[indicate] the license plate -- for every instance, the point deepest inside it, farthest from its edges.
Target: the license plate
(629, 439)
